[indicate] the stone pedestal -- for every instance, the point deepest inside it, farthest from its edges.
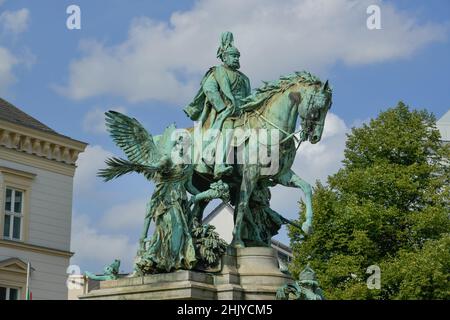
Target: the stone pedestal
(248, 273)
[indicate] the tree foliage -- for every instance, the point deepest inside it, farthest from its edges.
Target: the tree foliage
(387, 206)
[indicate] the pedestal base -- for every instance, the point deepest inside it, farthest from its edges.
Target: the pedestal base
(248, 273)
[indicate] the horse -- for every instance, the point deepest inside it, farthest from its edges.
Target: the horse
(277, 105)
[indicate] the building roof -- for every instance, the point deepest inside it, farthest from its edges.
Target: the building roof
(14, 264)
(281, 246)
(219, 209)
(443, 124)
(13, 114)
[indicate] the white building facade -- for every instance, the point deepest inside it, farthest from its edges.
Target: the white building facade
(443, 125)
(37, 166)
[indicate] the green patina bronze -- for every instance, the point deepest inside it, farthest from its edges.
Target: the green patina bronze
(173, 244)
(224, 105)
(306, 288)
(225, 102)
(110, 272)
(222, 91)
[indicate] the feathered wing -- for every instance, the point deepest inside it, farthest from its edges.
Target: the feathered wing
(118, 167)
(136, 142)
(132, 138)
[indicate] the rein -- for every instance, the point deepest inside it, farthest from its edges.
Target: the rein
(288, 135)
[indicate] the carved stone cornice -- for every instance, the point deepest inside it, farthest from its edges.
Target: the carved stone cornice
(34, 248)
(39, 143)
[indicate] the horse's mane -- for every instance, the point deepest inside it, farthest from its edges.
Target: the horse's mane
(269, 89)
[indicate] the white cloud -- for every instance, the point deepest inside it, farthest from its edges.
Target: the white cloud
(88, 164)
(317, 161)
(7, 62)
(313, 162)
(128, 216)
(164, 61)
(26, 57)
(15, 22)
(111, 231)
(94, 120)
(94, 249)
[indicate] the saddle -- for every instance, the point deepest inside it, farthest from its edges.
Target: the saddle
(244, 126)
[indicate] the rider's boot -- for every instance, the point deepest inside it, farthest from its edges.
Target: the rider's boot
(221, 168)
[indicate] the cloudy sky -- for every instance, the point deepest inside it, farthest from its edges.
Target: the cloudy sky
(146, 59)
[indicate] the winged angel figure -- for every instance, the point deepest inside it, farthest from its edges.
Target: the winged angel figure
(172, 246)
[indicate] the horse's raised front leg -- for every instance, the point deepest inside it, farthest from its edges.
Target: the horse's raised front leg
(290, 179)
(249, 180)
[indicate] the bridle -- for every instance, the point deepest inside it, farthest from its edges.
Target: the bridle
(308, 124)
(312, 118)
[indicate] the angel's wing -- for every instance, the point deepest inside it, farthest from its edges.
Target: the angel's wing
(118, 167)
(132, 138)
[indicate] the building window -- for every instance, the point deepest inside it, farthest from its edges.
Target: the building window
(12, 225)
(9, 293)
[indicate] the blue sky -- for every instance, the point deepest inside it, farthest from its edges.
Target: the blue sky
(147, 57)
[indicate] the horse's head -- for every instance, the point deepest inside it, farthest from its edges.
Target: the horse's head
(315, 101)
(301, 92)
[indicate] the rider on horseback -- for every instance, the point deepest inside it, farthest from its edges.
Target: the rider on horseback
(222, 90)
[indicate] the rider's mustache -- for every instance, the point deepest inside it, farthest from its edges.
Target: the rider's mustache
(235, 64)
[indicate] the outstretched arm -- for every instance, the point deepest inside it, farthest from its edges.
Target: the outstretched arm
(217, 190)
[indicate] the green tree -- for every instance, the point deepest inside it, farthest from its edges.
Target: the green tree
(387, 206)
